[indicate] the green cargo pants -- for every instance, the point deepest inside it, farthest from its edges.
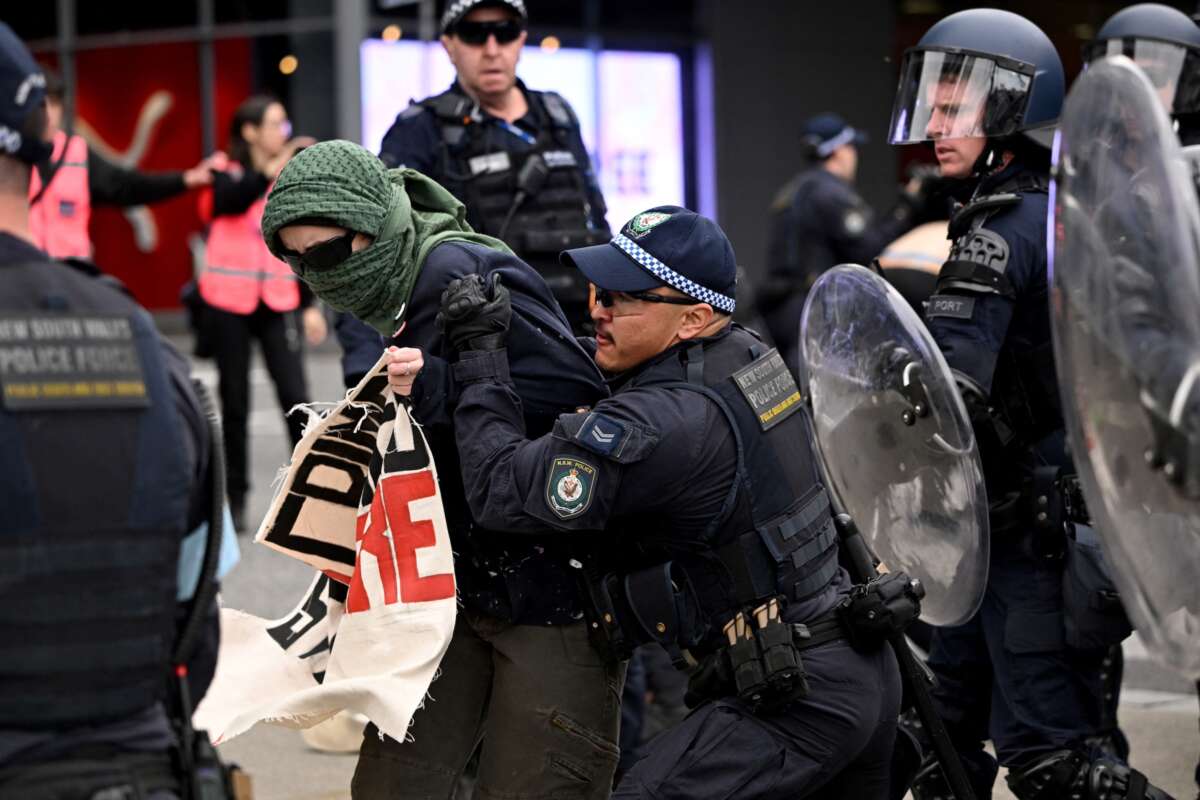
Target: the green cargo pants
(543, 704)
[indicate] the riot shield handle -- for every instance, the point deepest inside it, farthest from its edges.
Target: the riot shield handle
(915, 675)
(914, 392)
(1173, 453)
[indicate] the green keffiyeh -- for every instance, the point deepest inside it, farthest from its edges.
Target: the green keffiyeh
(408, 215)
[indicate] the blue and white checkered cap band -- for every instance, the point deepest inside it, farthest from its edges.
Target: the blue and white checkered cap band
(459, 7)
(846, 136)
(669, 276)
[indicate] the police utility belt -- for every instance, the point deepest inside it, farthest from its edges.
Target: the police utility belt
(761, 664)
(759, 659)
(102, 772)
(1047, 505)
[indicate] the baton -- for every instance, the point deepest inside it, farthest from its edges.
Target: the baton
(915, 675)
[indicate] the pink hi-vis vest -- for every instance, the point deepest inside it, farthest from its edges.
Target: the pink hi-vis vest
(239, 270)
(59, 219)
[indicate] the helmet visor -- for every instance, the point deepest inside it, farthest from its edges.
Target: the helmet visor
(954, 95)
(1173, 69)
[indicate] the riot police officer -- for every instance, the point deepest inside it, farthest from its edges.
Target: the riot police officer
(1165, 43)
(818, 221)
(514, 156)
(723, 548)
(985, 87)
(103, 453)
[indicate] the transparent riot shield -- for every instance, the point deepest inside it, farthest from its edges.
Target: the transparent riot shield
(897, 448)
(1125, 300)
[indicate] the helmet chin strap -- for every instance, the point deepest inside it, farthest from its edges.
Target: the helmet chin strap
(988, 158)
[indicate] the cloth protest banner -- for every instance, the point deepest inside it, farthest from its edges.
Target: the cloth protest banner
(360, 503)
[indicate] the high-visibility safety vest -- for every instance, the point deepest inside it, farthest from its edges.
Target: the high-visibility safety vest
(239, 270)
(59, 219)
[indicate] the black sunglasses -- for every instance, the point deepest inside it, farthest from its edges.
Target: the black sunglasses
(321, 256)
(607, 298)
(477, 33)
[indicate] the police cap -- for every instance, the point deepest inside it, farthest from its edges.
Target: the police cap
(457, 9)
(22, 92)
(664, 246)
(824, 133)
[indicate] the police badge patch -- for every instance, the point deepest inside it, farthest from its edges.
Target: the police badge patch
(570, 487)
(642, 224)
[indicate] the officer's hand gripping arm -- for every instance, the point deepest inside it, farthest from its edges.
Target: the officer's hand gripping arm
(475, 315)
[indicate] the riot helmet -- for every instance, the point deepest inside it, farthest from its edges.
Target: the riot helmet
(982, 72)
(1161, 40)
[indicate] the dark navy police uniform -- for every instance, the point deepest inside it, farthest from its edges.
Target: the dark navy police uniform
(103, 471)
(818, 221)
(480, 159)
(1008, 674)
(104, 453)
(1020, 672)
(711, 502)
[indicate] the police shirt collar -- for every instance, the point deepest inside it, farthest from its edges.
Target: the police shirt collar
(457, 88)
(15, 250)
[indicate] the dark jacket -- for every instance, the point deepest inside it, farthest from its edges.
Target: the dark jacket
(511, 577)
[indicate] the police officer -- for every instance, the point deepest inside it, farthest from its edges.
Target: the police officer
(103, 458)
(818, 221)
(1165, 43)
(722, 545)
(513, 155)
(985, 87)
(519, 678)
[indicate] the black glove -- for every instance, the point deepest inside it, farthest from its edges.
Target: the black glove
(475, 316)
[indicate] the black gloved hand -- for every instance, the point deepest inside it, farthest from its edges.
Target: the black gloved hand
(474, 315)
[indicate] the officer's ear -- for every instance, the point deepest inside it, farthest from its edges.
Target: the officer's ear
(695, 321)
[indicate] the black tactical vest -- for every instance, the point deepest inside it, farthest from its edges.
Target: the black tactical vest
(775, 535)
(1024, 388)
(94, 489)
(477, 169)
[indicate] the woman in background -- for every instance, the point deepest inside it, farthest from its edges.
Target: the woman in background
(250, 293)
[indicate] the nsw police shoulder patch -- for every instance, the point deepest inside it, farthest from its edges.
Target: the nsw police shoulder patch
(570, 486)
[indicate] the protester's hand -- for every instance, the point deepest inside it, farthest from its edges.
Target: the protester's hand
(475, 315)
(315, 328)
(403, 366)
(202, 173)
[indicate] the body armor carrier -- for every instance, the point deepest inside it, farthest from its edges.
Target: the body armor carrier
(759, 585)
(536, 200)
(98, 571)
(1025, 405)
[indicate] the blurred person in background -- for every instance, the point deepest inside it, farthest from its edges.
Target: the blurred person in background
(74, 177)
(818, 220)
(249, 294)
(514, 156)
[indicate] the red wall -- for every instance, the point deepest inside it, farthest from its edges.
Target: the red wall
(113, 86)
